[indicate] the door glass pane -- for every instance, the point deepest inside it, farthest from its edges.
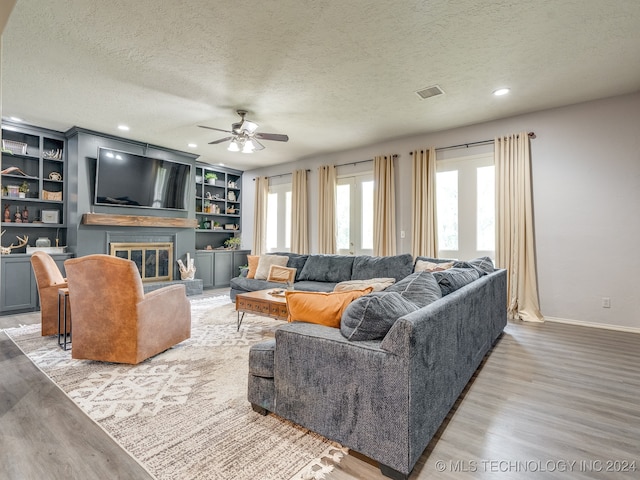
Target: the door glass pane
(366, 241)
(287, 222)
(272, 221)
(447, 200)
(486, 208)
(343, 212)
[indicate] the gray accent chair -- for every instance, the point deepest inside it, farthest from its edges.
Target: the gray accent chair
(386, 398)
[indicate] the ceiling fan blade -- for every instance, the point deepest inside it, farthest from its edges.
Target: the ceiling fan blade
(248, 127)
(216, 129)
(257, 145)
(278, 137)
(220, 141)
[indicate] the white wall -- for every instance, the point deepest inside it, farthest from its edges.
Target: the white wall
(586, 175)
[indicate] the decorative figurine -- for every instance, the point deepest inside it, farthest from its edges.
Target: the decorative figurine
(7, 214)
(25, 215)
(18, 215)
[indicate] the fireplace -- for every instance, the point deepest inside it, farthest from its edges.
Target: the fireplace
(153, 259)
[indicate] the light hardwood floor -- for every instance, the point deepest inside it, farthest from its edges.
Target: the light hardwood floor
(550, 401)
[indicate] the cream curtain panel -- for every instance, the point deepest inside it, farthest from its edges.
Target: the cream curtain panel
(260, 216)
(424, 225)
(515, 249)
(384, 206)
(299, 213)
(327, 209)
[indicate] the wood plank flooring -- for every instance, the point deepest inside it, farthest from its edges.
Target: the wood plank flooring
(551, 401)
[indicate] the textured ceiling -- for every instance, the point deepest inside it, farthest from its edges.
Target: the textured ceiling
(333, 75)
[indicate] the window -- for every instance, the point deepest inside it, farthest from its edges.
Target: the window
(465, 190)
(279, 218)
(354, 215)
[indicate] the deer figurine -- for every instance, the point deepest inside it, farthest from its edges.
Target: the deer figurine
(7, 250)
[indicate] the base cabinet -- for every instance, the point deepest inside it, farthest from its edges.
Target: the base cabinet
(19, 290)
(216, 268)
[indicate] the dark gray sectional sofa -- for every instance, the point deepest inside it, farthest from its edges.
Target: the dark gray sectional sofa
(384, 398)
(321, 273)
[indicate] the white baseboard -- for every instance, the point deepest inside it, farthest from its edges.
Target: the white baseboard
(581, 323)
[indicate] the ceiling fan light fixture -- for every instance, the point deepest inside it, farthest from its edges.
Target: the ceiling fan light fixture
(233, 146)
(248, 147)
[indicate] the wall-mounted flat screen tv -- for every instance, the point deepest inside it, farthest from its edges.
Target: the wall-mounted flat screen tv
(128, 180)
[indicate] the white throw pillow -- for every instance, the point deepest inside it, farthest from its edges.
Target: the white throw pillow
(425, 266)
(265, 262)
(378, 284)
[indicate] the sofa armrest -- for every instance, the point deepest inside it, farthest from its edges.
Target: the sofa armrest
(352, 392)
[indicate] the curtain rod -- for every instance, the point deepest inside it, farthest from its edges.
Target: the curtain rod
(279, 175)
(395, 155)
(473, 144)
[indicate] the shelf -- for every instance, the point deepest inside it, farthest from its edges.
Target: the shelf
(34, 225)
(204, 230)
(32, 200)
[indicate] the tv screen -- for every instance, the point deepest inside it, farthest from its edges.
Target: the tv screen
(128, 180)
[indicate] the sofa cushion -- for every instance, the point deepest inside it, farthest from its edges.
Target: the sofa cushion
(265, 262)
(327, 268)
(396, 266)
(433, 260)
(261, 358)
(243, 284)
(296, 260)
(370, 317)
(281, 274)
(455, 278)
(420, 288)
(378, 284)
(320, 307)
(311, 286)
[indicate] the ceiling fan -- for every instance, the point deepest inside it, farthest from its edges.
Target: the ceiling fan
(244, 137)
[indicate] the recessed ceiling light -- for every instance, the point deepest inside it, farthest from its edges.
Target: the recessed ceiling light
(192, 145)
(123, 128)
(15, 119)
(501, 91)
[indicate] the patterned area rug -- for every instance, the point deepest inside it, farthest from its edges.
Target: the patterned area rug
(183, 414)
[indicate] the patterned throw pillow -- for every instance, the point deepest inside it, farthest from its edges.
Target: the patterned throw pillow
(426, 266)
(281, 274)
(378, 284)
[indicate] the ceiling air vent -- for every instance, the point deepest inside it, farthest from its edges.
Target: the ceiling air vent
(429, 92)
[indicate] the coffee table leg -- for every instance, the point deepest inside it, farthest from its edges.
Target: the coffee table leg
(240, 318)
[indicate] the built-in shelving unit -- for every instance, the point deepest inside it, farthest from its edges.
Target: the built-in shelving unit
(33, 196)
(217, 205)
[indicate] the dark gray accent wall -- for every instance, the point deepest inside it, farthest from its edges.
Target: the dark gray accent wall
(82, 146)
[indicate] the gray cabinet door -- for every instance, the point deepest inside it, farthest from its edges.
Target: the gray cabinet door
(223, 268)
(204, 268)
(19, 291)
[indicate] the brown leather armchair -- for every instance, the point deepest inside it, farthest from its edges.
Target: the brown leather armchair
(113, 319)
(49, 280)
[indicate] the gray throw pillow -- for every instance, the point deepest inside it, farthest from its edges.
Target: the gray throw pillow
(420, 288)
(370, 317)
(454, 278)
(483, 265)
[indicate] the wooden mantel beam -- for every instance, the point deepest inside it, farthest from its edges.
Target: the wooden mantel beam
(137, 221)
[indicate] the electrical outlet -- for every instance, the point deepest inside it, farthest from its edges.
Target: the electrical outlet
(606, 302)
(402, 234)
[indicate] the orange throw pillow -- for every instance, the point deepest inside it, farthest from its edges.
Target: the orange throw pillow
(319, 307)
(252, 260)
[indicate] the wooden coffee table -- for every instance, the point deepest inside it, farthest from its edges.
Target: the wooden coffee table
(261, 302)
